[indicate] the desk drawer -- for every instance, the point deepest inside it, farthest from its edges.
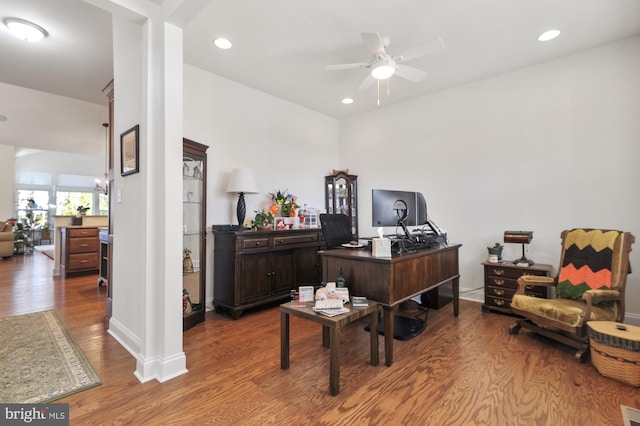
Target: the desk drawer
(83, 261)
(83, 245)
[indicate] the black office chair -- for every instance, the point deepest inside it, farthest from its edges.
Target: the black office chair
(336, 229)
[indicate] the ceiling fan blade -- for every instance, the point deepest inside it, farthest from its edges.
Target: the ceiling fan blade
(367, 82)
(344, 66)
(427, 48)
(374, 43)
(410, 73)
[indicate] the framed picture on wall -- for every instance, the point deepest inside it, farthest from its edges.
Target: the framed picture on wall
(130, 151)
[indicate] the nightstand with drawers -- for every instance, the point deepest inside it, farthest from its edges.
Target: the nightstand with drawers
(501, 283)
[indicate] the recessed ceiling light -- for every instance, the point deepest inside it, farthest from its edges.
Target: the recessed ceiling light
(222, 43)
(347, 101)
(548, 35)
(25, 30)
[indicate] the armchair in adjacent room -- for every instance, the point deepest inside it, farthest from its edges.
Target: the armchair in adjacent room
(6, 239)
(590, 286)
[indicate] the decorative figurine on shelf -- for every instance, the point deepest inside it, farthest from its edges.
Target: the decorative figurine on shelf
(341, 282)
(197, 173)
(185, 169)
(187, 307)
(187, 263)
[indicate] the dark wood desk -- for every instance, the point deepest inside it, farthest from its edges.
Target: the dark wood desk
(330, 334)
(395, 280)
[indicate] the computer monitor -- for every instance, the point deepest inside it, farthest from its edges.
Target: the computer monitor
(394, 208)
(421, 210)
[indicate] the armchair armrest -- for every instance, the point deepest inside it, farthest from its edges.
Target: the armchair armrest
(589, 295)
(530, 280)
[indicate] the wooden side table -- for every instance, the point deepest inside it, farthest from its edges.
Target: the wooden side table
(331, 328)
(501, 283)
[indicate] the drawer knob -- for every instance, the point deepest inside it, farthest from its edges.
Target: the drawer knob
(499, 282)
(500, 302)
(498, 291)
(528, 287)
(84, 261)
(498, 272)
(257, 243)
(84, 245)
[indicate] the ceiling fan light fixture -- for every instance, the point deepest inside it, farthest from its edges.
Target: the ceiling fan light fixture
(548, 35)
(347, 101)
(25, 30)
(383, 71)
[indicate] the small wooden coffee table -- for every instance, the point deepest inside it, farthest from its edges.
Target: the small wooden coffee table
(330, 334)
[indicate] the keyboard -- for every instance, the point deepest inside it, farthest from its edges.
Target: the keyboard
(328, 304)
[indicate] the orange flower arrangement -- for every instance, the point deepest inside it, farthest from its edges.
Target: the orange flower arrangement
(283, 205)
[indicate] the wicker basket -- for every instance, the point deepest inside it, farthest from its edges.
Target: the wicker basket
(615, 353)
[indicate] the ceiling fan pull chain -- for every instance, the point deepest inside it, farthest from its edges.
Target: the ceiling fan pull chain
(388, 87)
(378, 84)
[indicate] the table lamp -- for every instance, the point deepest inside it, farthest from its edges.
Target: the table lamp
(242, 182)
(519, 237)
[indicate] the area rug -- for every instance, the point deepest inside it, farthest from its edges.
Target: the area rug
(47, 250)
(40, 360)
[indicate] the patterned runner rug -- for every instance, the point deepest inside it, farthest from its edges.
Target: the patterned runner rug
(40, 361)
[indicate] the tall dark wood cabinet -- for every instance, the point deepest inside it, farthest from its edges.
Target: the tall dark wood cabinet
(341, 196)
(253, 268)
(194, 215)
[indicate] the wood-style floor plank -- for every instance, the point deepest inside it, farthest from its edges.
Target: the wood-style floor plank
(460, 371)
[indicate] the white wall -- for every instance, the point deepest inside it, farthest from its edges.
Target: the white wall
(545, 148)
(7, 202)
(286, 145)
(56, 163)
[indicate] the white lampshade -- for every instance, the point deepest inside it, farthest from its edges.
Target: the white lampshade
(242, 180)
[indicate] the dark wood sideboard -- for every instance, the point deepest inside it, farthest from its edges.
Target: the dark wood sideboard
(253, 268)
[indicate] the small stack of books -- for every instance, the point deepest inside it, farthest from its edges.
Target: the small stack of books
(359, 301)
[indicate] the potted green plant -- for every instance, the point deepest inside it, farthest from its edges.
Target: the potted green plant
(496, 249)
(262, 220)
(82, 210)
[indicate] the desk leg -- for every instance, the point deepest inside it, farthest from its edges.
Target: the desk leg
(375, 357)
(325, 337)
(455, 284)
(334, 362)
(284, 340)
(388, 334)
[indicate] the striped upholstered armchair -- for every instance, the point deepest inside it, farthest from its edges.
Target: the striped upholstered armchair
(590, 286)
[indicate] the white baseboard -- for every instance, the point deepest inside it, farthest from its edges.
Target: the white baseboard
(633, 319)
(160, 369)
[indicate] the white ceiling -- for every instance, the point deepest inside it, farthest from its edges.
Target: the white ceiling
(281, 46)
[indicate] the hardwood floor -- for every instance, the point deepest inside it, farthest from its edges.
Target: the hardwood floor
(460, 371)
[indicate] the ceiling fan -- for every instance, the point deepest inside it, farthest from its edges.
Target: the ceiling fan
(384, 65)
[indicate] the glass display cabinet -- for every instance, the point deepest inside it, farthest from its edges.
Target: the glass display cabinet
(341, 196)
(194, 204)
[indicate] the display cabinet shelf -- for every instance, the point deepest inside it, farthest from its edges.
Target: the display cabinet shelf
(194, 173)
